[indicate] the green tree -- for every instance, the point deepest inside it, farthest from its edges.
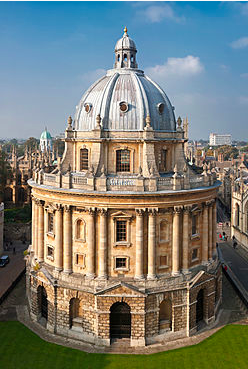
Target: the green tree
(5, 173)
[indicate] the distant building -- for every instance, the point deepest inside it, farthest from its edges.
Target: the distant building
(1, 226)
(218, 140)
(46, 141)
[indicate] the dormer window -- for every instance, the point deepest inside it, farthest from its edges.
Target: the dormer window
(123, 106)
(87, 107)
(161, 108)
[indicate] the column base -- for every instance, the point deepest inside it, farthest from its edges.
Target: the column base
(152, 277)
(139, 277)
(58, 269)
(102, 277)
(175, 274)
(90, 275)
(67, 271)
(185, 271)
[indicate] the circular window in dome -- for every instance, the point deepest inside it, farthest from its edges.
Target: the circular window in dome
(87, 107)
(161, 108)
(123, 106)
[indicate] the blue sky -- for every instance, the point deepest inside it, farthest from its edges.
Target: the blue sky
(52, 51)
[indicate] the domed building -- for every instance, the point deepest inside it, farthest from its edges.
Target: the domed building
(124, 230)
(46, 143)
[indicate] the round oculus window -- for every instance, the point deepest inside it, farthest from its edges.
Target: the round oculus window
(161, 108)
(123, 106)
(87, 107)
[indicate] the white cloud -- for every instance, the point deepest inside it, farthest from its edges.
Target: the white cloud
(241, 43)
(93, 75)
(156, 13)
(178, 67)
(244, 8)
(244, 75)
(243, 100)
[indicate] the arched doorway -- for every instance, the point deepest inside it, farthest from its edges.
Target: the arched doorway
(73, 310)
(42, 302)
(120, 320)
(199, 307)
(165, 315)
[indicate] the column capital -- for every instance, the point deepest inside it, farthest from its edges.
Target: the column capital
(187, 209)
(103, 211)
(139, 212)
(91, 211)
(152, 211)
(58, 207)
(67, 208)
(39, 202)
(178, 209)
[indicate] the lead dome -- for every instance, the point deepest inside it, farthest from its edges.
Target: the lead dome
(124, 97)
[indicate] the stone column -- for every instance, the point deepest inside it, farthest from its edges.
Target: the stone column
(67, 252)
(210, 231)
(151, 244)
(214, 220)
(139, 272)
(176, 241)
(36, 228)
(186, 238)
(58, 239)
(103, 245)
(91, 244)
(33, 224)
(41, 232)
(205, 234)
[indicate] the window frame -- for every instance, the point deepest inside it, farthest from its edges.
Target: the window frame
(122, 269)
(83, 265)
(80, 159)
(128, 219)
(50, 257)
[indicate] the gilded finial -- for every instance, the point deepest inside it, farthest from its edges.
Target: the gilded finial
(125, 30)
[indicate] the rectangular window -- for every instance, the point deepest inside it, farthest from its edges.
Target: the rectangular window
(123, 161)
(120, 263)
(83, 159)
(121, 230)
(50, 252)
(163, 260)
(194, 254)
(194, 224)
(50, 222)
(80, 259)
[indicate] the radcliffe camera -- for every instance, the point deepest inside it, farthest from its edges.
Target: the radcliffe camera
(123, 228)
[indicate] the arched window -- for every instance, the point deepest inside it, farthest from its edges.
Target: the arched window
(118, 58)
(122, 161)
(8, 194)
(125, 57)
(73, 310)
(42, 302)
(164, 231)
(237, 215)
(80, 230)
(165, 315)
(84, 159)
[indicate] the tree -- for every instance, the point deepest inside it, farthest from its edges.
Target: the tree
(5, 173)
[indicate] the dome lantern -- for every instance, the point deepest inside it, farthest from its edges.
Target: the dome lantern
(125, 52)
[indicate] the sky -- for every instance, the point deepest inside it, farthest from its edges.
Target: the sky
(51, 52)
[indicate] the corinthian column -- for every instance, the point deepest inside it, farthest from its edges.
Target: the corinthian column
(67, 239)
(91, 244)
(103, 245)
(41, 232)
(214, 222)
(33, 224)
(151, 244)
(59, 239)
(36, 228)
(205, 234)
(139, 273)
(210, 231)
(186, 238)
(176, 241)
